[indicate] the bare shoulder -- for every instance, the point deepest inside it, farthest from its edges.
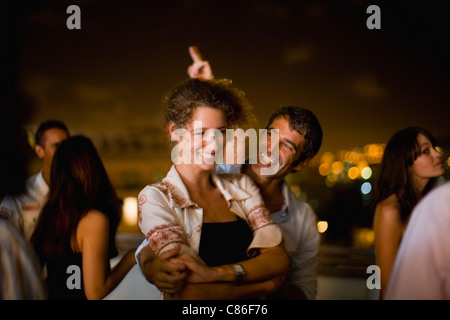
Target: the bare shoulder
(96, 215)
(388, 211)
(93, 219)
(92, 227)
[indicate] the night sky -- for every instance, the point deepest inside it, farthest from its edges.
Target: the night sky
(109, 77)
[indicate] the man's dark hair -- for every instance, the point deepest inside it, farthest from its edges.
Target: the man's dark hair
(46, 125)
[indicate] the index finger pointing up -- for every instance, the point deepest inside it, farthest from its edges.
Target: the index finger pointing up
(195, 54)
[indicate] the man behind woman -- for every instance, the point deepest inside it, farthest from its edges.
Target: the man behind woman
(299, 139)
(219, 223)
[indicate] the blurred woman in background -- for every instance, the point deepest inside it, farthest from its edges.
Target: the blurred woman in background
(77, 228)
(409, 169)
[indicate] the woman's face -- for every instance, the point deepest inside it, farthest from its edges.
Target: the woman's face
(207, 132)
(429, 163)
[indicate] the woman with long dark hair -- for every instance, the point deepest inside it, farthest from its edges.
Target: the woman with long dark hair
(409, 169)
(75, 233)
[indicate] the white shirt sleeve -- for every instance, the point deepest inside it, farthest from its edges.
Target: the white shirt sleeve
(158, 222)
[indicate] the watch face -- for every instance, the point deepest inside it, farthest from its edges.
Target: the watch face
(239, 272)
(238, 269)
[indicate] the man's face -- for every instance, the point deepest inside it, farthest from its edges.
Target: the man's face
(291, 145)
(52, 139)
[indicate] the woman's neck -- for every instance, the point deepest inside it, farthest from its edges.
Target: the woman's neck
(419, 185)
(195, 177)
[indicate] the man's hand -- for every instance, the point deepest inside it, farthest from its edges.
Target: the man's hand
(202, 273)
(164, 271)
(199, 271)
(199, 69)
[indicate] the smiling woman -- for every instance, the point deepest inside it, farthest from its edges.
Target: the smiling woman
(218, 223)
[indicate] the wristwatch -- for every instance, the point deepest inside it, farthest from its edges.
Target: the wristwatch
(239, 273)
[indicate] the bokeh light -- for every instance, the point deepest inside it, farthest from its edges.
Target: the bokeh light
(322, 226)
(130, 210)
(366, 173)
(366, 188)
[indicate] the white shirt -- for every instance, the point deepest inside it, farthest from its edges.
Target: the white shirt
(24, 209)
(422, 265)
(298, 223)
(20, 274)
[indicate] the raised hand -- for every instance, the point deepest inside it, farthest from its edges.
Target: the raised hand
(199, 69)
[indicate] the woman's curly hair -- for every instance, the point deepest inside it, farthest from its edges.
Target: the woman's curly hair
(217, 94)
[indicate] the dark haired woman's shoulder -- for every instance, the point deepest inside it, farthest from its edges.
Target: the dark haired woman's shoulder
(389, 203)
(388, 209)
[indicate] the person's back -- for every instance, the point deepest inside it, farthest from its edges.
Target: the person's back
(422, 266)
(20, 275)
(64, 270)
(19, 271)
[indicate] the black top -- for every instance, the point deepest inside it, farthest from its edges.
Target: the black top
(225, 242)
(64, 283)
